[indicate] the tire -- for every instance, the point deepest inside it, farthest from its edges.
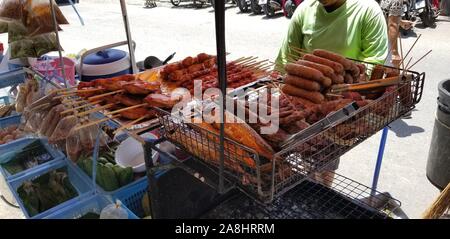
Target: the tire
(198, 4)
(176, 3)
(256, 9)
(268, 10)
(242, 5)
(428, 16)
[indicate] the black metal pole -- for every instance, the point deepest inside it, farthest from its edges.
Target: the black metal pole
(222, 76)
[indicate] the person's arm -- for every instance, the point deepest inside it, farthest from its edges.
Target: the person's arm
(374, 40)
(293, 38)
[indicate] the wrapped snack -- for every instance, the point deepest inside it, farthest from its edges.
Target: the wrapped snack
(16, 31)
(63, 129)
(11, 9)
(33, 91)
(36, 116)
(34, 47)
(54, 121)
(22, 97)
(73, 145)
(3, 26)
(38, 17)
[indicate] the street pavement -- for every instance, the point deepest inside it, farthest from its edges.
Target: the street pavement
(188, 31)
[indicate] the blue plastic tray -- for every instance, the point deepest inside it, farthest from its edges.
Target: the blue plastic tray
(10, 120)
(13, 77)
(93, 204)
(131, 195)
(80, 182)
(56, 155)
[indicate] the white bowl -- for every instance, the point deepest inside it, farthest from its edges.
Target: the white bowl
(130, 153)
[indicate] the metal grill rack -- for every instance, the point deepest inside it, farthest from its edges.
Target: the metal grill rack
(266, 179)
(346, 199)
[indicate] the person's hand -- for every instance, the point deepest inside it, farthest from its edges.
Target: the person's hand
(395, 61)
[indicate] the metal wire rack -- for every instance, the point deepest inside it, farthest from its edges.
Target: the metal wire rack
(345, 199)
(265, 179)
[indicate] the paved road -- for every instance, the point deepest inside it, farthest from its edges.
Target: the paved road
(187, 31)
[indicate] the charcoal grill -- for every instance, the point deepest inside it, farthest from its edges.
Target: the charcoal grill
(218, 162)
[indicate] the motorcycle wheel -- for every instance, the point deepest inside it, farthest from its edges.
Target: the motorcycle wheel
(198, 4)
(428, 17)
(242, 5)
(256, 9)
(268, 10)
(176, 3)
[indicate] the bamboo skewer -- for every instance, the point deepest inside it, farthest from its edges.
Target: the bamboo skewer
(407, 64)
(417, 39)
(105, 94)
(420, 59)
(64, 96)
(95, 122)
(128, 125)
(125, 109)
(248, 59)
(367, 85)
(401, 52)
(80, 107)
(94, 110)
(243, 59)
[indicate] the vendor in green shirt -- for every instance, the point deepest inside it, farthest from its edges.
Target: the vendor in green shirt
(353, 28)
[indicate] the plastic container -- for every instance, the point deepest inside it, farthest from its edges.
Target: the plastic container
(131, 196)
(51, 68)
(438, 165)
(105, 64)
(56, 156)
(80, 182)
(12, 77)
(9, 121)
(92, 204)
(130, 153)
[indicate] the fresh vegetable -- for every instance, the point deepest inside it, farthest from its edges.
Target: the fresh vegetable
(46, 191)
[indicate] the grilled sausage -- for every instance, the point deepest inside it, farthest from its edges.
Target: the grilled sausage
(347, 64)
(337, 67)
(302, 83)
(304, 71)
(315, 97)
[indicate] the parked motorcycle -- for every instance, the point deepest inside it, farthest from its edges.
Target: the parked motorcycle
(289, 7)
(422, 9)
(213, 2)
(255, 7)
(271, 6)
(197, 3)
(243, 5)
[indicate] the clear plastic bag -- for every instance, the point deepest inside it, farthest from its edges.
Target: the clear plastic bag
(36, 116)
(38, 17)
(11, 9)
(73, 145)
(34, 47)
(4, 26)
(114, 211)
(62, 130)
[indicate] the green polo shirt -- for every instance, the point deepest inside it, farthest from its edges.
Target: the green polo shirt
(357, 30)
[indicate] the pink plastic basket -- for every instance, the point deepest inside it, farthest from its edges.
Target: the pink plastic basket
(52, 70)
